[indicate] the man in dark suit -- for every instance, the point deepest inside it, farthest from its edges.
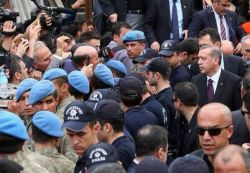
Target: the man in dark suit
(215, 84)
(219, 17)
(158, 24)
(186, 99)
(234, 64)
(241, 121)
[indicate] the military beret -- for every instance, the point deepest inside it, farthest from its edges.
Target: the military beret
(40, 90)
(79, 81)
(54, 73)
(117, 65)
(24, 86)
(103, 73)
(48, 123)
(134, 35)
(11, 124)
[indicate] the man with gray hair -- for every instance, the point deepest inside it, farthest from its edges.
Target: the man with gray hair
(245, 47)
(44, 59)
(215, 84)
(232, 158)
(42, 56)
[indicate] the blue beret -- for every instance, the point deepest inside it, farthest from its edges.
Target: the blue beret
(79, 81)
(24, 86)
(40, 90)
(48, 123)
(54, 73)
(117, 65)
(134, 35)
(12, 125)
(103, 73)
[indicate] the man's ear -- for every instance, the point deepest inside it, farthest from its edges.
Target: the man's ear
(65, 87)
(218, 44)
(18, 76)
(157, 75)
(161, 153)
(34, 65)
(96, 127)
(115, 37)
(108, 127)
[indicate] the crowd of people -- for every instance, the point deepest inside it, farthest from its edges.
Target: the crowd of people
(148, 86)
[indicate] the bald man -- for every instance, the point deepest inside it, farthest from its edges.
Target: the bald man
(232, 159)
(214, 130)
(82, 55)
(227, 47)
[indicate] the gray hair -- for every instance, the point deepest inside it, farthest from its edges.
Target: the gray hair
(109, 168)
(245, 38)
(38, 45)
(214, 51)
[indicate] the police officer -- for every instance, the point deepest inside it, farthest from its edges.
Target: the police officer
(82, 128)
(111, 119)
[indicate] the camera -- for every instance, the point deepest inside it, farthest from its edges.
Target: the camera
(6, 15)
(106, 53)
(54, 13)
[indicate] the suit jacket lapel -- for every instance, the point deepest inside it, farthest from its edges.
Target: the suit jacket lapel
(168, 11)
(229, 21)
(225, 60)
(184, 11)
(220, 86)
(203, 89)
(211, 18)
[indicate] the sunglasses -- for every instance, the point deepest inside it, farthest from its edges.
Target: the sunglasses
(214, 131)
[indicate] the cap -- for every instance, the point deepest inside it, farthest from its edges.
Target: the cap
(168, 47)
(151, 164)
(24, 86)
(79, 81)
(130, 87)
(107, 93)
(103, 73)
(48, 123)
(134, 35)
(138, 76)
(145, 55)
(100, 153)
(159, 65)
(117, 65)
(189, 163)
(109, 109)
(40, 90)
(77, 115)
(54, 73)
(12, 125)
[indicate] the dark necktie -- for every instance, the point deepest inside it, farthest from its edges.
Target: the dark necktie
(175, 27)
(210, 91)
(222, 29)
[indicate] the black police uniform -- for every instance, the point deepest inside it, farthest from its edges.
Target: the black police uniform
(179, 74)
(125, 149)
(165, 97)
(137, 117)
(152, 105)
(80, 165)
